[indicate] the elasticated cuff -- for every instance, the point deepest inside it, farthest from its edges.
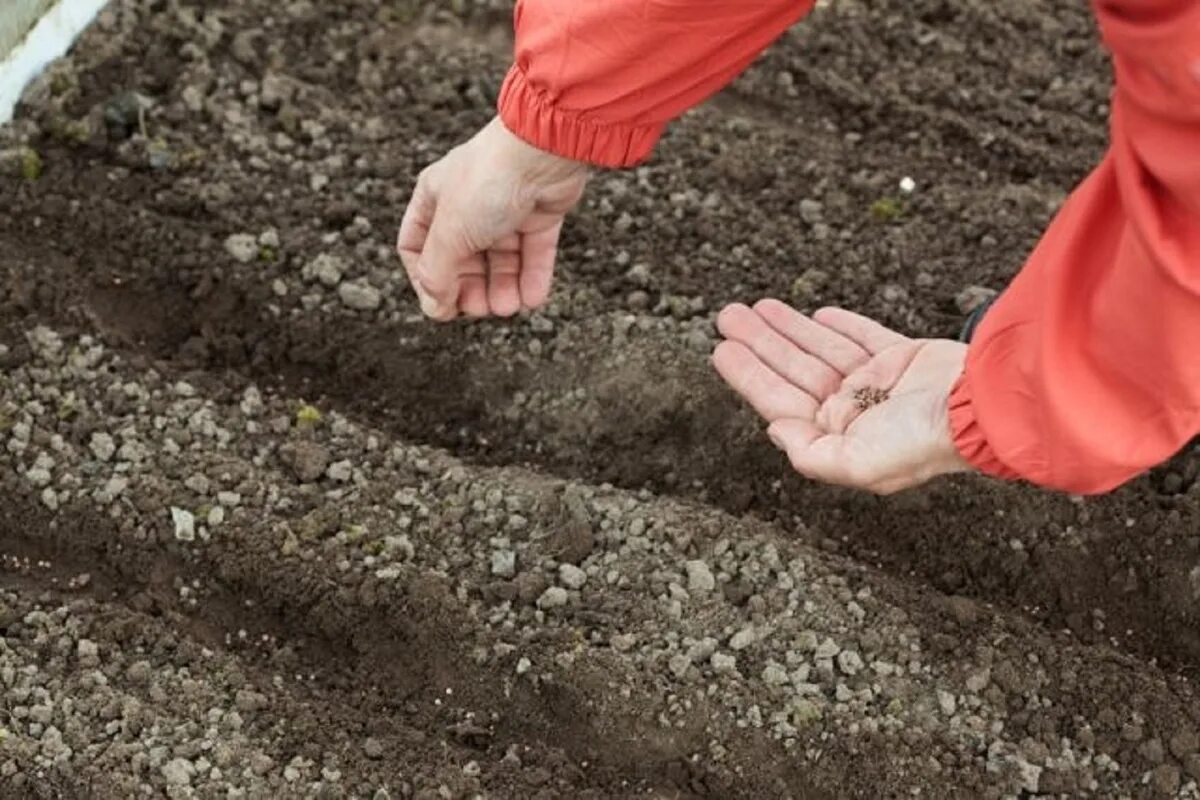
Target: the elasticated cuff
(970, 438)
(530, 115)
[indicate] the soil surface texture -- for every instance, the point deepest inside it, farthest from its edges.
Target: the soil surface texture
(266, 533)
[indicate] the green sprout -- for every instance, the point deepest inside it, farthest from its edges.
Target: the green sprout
(308, 417)
(31, 164)
(887, 209)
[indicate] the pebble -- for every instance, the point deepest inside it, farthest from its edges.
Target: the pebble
(743, 638)
(700, 580)
(849, 662)
(360, 296)
(326, 268)
(504, 563)
(623, 642)
(679, 665)
(242, 247)
(774, 675)
(185, 524)
(1165, 778)
(102, 446)
(947, 702)
(307, 461)
(723, 663)
(827, 650)
(373, 748)
(340, 471)
(178, 772)
(553, 597)
(572, 576)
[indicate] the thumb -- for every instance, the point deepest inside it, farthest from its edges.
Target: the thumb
(437, 278)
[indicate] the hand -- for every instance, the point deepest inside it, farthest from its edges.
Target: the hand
(850, 402)
(480, 234)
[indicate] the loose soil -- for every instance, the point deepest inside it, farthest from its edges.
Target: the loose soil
(267, 533)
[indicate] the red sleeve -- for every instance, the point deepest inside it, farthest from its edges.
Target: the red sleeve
(1087, 371)
(598, 80)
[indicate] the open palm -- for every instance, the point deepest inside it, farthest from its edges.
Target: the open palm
(850, 401)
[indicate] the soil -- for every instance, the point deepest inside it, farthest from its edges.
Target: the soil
(267, 533)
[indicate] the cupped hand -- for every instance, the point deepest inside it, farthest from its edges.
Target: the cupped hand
(851, 402)
(480, 235)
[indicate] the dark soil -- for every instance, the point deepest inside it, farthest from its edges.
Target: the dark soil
(310, 121)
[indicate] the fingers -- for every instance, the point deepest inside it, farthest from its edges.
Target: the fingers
(440, 267)
(504, 269)
(538, 253)
(867, 333)
(814, 376)
(836, 350)
(771, 395)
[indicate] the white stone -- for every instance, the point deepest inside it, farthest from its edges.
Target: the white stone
(185, 524)
(360, 296)
(102, 446)
(723, 663)
(700, 578)
(743, 638)
(504, 563)
(242, 247)
(554, 597)
(572, 576)
(849, 662)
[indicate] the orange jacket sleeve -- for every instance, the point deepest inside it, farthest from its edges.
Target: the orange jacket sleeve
(598, 80)
(1087, 371)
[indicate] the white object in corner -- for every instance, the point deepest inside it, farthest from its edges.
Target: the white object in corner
(49, 39)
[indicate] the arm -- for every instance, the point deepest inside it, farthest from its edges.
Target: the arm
(599, 81)
(595, 82)
(1087, 371)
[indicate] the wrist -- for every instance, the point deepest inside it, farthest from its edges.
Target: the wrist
(534, 165)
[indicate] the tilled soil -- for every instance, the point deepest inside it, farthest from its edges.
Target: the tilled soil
(266, 533)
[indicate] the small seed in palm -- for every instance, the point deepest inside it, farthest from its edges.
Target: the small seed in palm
(869, 397)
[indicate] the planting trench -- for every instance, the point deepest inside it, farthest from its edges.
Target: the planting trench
(1009, 641)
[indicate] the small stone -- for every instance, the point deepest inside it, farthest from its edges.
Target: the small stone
(947, 702)
(524, 665)
(360, 296)
(1191, 765)
(699, 578)
(306, 460)
(774, 675)
(340, 471)
(849, 662)
(1183, 744)
(979, 681)
(88, 652)
(178, 772)
(723, 663)
(908, 185)
(102, 446)
(553, 597)
(1165, 779)
(679, 665)
(743, 638)
(242, 247)
(811, 211)
(623, 642)
(827, 650)
(326, 268)
(40, 477)
(373, 748)
(572, 576)
(504, 563)
(185, 524)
